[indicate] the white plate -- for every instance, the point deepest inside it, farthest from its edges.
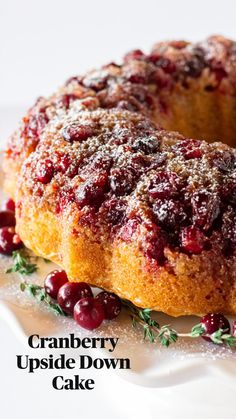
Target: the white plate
(152, 365)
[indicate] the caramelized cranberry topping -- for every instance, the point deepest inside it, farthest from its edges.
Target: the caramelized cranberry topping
(77, 132)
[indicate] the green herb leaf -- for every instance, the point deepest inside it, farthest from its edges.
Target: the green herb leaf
(21, 263)
(40, 295)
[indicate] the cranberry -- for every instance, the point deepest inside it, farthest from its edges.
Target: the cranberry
(229, 225)
(192, 240)
(206, 208)
(45, 171)
(169, 213)
(10, 205)
(111, 304)
(97, 81)
(154, 244)
(165, 185)
(89, 313)
(121, 181)
(167, 65)
(223, 160)
(92, 192)
(194, 66)
(70, 293)
(65, 100)
(113, 211)
(54, 281)
(7, 219)
(77, 132)
(190, 149)
(148, 145)
(136, 54)
(35, 124)
(213, 322)
(129, 229)
(9, 240)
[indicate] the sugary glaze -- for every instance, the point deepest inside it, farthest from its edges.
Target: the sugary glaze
(121, 203)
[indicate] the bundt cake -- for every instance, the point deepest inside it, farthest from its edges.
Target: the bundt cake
(104, 190)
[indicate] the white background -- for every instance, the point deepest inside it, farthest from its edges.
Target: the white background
(41, 44)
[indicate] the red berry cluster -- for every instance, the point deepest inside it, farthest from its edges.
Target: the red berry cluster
(77, 300)
(9, 240)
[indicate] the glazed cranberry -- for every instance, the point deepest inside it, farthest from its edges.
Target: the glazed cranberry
(136, 54)
(54, 281)
(169, 213)
(113, 211)
(148, 145)
(192, 240)
(154, 246)
(7, 219)
(77, 132)
(65, 100)
(70, 293)
(190, 149)
(213, 322)
(206, 208)
(10, 205)
(129, 229)
(165, 185)
(111, 304)
(224, 160)
(92, 192)
(9, 240)
(89, 313)
(167, 65)
(45, 171)
(121, 181)
(35, 124)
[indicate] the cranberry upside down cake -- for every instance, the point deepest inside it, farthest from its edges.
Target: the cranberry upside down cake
(124, 203)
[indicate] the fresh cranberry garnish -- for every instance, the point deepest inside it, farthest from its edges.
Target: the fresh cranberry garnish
(7, 219)
(190, 149)
(89, 313)
(136, 54)
(111, 304)
(213, 322)
(9, 240)
(92, 191)
(70, 293)
(45, 171)
(54, 281)
(77, 132)
(206, 208)
(10, 205)
(121, 181)
(192, 240)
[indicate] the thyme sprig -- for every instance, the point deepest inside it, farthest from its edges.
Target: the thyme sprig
(153, 332)
(22, 263)
(39, 293)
